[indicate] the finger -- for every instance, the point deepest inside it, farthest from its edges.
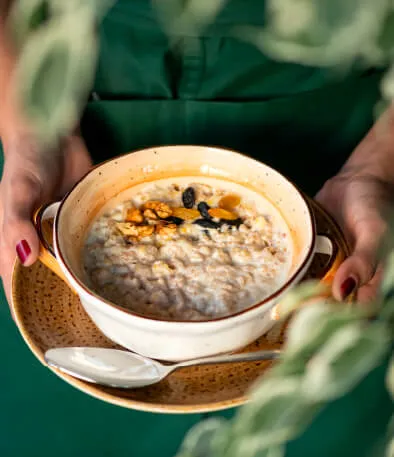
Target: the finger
(358, 269)
(21, 193)
(369, 292)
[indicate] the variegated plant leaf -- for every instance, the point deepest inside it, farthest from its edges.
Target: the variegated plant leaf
(346, 357)
(297, 297)
(387, 286)
(312, 326)
(99, 8)
(390, 446)
(55, 73)
(191, 17)
(25, 17)
(277, 412)
(321, 32)
(198, 441)
(390, 378)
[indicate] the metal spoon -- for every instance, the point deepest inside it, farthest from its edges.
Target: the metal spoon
(116, 368)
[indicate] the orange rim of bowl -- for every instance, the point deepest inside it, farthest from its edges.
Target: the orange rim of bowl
(141, 316)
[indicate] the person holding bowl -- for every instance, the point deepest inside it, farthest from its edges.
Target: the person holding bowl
(214, 89)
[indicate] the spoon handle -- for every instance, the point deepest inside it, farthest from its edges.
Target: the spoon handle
(232, 358)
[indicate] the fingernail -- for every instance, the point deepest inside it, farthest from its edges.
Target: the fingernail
(23, 250)
(347, 287)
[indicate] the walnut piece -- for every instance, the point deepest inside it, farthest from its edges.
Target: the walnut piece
(150, 214)
(166, 229)
(160, 208)
(134, 215)
(136, 231)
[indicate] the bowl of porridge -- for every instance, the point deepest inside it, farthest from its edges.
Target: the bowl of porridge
(179, 252)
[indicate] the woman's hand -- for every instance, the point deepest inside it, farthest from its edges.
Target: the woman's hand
(361, 198)
(359, 201)
(31, 178)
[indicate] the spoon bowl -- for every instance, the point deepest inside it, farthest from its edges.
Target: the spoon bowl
(127, 370)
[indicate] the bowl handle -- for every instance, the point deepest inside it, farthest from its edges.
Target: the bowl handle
(43, 222)
(326, 244)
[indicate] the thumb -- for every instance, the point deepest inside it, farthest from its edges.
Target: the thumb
(359, 268)
(21, 195)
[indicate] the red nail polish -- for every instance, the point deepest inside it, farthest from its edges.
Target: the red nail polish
(23, 250)
(347, 287)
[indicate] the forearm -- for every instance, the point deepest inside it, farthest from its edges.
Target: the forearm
(375, 153)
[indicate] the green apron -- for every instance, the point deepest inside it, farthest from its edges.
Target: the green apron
(209, 89)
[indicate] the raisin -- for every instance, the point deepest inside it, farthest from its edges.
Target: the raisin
(204, 210)
(174, 220)
(206, 223)
(189, 198)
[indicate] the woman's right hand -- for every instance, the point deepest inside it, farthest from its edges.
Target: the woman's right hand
(32, 177)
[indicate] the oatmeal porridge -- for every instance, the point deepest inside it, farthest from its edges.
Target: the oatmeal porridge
(187, 249)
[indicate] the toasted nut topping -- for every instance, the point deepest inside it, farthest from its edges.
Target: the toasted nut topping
(137, 231)
(150, 214)
(134, 215)
(166, 230)
(145, 230)
(229, 202)
(126, 228)
(161, 209)
(185, 213)
(222, 214)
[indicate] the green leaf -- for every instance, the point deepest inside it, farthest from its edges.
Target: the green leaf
(390, 448)
(387, 285)
(390, 378)
(277, 412)
(321, 32)
(346, 358)
(198, 441)
(312, 326)
(55, 73)
(25, 17)
(297, 297)
(98, 8)
(179, 17)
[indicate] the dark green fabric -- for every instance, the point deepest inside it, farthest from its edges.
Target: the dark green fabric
(217, 90)
(213, 90)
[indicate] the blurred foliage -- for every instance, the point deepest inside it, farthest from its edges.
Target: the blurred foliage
(330, 347)
(57, 53)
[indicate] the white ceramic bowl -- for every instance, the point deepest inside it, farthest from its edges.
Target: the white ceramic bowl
(164, 339)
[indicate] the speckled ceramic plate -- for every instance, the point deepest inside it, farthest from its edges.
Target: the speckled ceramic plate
(49, 314)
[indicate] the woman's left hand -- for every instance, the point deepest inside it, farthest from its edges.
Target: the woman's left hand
(358, 200)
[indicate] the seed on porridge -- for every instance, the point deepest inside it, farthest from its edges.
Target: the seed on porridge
(232, 223)
(204, 208)
(160, 208)
(134, 215)
(220, 213)
(189, 198)
(229, 202)
(185, 213)
(174, 220)
(206, 223)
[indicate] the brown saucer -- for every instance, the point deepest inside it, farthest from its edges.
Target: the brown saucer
(49, 315)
